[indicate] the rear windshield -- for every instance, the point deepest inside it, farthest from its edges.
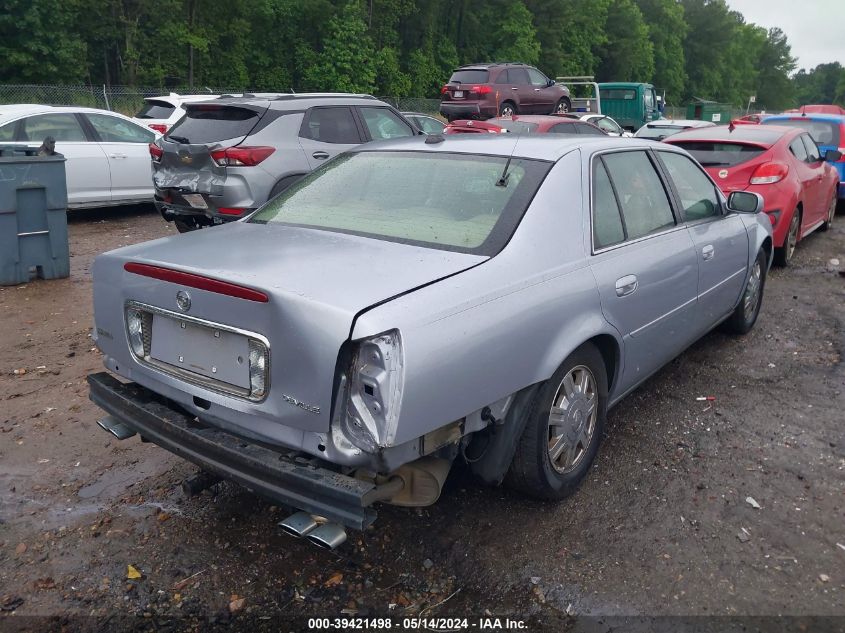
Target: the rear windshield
(517, 127)
(156, 110)
(618, 93)
(720, 154)
(212, 123)
(439, 200)
(823, 132)
(469, 77)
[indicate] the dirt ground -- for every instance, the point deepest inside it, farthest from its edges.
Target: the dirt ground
(663, 526)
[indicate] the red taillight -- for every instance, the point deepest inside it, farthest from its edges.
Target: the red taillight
(241, 156)
(196, 281)
(444, 90)
(156, 153)
(769, 173)
(158, 127)
(230, 210)
(482, 90)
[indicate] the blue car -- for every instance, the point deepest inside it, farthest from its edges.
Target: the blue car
(827, 130)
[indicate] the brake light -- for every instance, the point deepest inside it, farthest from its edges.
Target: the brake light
(444, 90)
(241, 156)
(482, 90)
(230, 210)
(156, 153)
(769, 173)
(196, 281)
(158, 127)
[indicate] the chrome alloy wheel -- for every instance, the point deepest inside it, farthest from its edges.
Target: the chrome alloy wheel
(572, 419)
(562, 108)
(507, 111)
(792, 236)
(752, 291)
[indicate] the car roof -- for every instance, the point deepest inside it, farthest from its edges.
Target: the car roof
(23, 109)
(549, 147)
(298, 101)
(768, 135)
(176, 99)
(487, 65)
(660, 123)
(536, 118)
(811, 116)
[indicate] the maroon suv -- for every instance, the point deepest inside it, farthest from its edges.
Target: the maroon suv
(481, 91)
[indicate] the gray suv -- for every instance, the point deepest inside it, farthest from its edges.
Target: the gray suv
(227, 157)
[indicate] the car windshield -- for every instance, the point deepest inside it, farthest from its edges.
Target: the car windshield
(713, 154)
(455, 202)
(477, 76)
(823, 132)
(155, 110)
(212, 123)
(516, 127)
(658, 132)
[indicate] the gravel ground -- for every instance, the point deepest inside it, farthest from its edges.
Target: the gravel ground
(663, 525)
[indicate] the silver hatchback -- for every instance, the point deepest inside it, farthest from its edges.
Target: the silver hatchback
(422, 301)
(228, 156)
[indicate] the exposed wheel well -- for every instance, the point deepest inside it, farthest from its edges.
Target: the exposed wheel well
(609, 350)
(767, 247)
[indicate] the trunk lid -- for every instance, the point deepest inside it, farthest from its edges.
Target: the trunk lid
(317, 282)
(729, 163)
(186, 164)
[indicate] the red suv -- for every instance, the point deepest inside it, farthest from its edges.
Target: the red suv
(482, 91)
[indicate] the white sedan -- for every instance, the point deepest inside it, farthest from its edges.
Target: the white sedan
(605, 123)
(108, 157)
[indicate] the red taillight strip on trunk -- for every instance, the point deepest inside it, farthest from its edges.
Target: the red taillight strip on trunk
(196, 281)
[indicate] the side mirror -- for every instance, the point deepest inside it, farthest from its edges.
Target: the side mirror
(832, 155)
(745, 202)
(550, 83)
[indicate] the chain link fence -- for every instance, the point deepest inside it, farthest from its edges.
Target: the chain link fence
(128, 100)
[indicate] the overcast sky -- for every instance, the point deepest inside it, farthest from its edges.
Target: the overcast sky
(814, 28)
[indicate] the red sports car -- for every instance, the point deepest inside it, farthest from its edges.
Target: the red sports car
(525, 124)
(782, 164)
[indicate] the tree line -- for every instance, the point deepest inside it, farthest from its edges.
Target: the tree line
(404, 48)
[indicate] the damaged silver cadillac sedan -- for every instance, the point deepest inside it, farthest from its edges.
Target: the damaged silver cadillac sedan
(417, 302)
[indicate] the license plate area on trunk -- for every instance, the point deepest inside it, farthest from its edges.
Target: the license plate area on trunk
(215, 353)
(195, 200)
(458, 94)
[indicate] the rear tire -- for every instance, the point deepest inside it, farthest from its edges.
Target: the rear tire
(783, 255)
(745, 315)
(508, 108)
(563, 106)
(564, 428)
(831, 212)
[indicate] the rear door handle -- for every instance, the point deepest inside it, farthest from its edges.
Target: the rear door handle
(626, 285)
(707, 252)
(536, 90)
(320, 155)
(514, 88)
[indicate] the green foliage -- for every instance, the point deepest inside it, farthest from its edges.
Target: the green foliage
(628, 54)
(404, 48)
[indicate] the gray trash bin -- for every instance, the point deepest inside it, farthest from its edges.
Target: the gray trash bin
(33, 215)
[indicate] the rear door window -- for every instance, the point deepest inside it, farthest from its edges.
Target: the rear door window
(63, 127)
(331, 125)
(213, 123)
(607, 220)
(712, 154)
(518, 76)
(587, 130)
(563, 128)
(155, 110)
(469, 76)
(696, 191)
(112, 129)
(383, 123)
(503, 78)
(813, 154)
(798, 149)
(644, 202)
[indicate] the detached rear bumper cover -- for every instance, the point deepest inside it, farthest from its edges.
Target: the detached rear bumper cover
(274, 475)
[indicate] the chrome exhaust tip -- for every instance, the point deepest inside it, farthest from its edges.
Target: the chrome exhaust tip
(328, 536)
(299, 524)
(115, 427)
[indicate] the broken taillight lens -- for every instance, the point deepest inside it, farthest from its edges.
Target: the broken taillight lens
(156, 153)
